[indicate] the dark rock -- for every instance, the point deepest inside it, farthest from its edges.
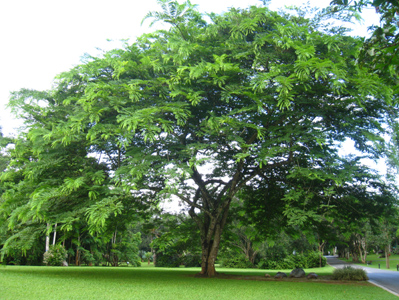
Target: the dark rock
(298, 273)
(280, 275)
(312, 276)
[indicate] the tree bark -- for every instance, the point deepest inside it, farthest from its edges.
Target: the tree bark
(55, 234)
(211, 232)
(361, 247)
(321, 250)
(47, 247)
(77, 257)
(387, 256)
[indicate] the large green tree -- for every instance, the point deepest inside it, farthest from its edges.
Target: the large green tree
(204, 109)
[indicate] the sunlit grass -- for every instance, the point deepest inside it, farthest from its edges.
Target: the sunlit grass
(379, 263)
(25, 282)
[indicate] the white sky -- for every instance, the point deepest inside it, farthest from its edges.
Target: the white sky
(42, 38)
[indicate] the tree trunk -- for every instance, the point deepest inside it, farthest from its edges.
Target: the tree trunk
(321, 250)
(209, 254)
(77, 257)
(47, 247)
(387, 256)
(154, 257)
(362, 247)
(212, 219)
(211, 233)
(355, 256)
(55, 234)
(154, 253)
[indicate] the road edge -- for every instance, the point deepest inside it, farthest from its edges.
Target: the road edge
(383, 287)
(373, 282)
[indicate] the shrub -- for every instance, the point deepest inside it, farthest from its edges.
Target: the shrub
(349, 273)
(238, 261)
(296, 261)
(268, 264)
(90, 257)
(167, 260)
(55, 256)
(192, 260)
(310, 260)
(313, 260)
(233, 259)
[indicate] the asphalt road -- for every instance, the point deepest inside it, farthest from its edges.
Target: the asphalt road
(389, 280)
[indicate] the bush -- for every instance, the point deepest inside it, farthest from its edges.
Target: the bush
(167, 260)
(349, 273)
(313, 259)
(192, 260)
(296, 261)
(310, 260)
(55, 256)
(233, 259)
(268, 264)
(238, 261)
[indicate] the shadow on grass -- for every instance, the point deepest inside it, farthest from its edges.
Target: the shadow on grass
(26, 282)
(144, 273)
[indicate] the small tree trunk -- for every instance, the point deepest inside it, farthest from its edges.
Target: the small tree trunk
(47, 247)
(154, 257)
(55, 233)
(387, 256)
(321, 251)
(77, 257)
(364, 247)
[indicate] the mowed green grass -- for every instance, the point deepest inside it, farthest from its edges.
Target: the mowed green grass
(26, 282)
(393, 262)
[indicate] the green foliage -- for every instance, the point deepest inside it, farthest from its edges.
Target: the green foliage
(168, 259)
(309, 260)
(32, 257)
(380, 50)
(191, 260)
(55, 255)
(349, 273)
(235, 260)
(127, 249)
(148, 256)
(176, 242)
(313, 260)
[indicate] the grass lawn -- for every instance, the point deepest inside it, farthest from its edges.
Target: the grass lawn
(393, 262)
(26, 282)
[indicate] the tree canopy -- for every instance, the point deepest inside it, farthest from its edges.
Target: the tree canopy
(250, 99)
(380, 51)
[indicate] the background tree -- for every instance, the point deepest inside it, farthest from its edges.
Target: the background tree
(380, 51)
